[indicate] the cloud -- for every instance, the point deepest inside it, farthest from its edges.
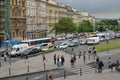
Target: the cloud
(95, 6)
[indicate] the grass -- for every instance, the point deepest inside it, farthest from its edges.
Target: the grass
(108, 46)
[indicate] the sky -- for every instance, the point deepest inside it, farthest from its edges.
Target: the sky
(97, 8)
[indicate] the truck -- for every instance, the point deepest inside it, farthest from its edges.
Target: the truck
(93, 40)
(16, 49)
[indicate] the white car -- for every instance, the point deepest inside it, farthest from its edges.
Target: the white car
(63, 46)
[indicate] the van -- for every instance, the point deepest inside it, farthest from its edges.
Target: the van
(16, 49)
(93, 40)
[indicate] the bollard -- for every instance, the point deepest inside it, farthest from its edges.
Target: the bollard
(64, 74)
(44, 66)
(27, 78)
(80, 71)
(0, 64)
(47, 76)
(28, 68)
(9, 71)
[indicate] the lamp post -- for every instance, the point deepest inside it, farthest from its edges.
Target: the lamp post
(8, 47)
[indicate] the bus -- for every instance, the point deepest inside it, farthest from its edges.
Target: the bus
(35, 42)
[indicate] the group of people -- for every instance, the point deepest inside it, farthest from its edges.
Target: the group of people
(59, 60)
(112, 64)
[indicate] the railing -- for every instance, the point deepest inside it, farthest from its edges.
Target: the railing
(58, 72)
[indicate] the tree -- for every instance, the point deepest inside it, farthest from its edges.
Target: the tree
(108, 24)
(85, 26)
(64, 25)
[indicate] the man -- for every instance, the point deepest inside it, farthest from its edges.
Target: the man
(100, 65)
(54, 58)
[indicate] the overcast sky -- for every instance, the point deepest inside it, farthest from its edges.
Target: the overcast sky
(97, 8)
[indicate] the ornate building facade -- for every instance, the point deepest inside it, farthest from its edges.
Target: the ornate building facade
(18, 19)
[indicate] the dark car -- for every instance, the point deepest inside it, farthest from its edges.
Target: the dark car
(30, 51)
(3, 52)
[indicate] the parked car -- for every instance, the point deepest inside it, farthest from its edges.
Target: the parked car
(30, 51)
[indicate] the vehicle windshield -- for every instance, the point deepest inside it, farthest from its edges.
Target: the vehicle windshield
(15, 49)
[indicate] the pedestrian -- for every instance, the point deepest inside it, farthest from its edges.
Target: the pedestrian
(100, 66)
(117, 64)
(97, 63)
(79, 55)
(26, 58)
(51, 74)
(109, 63)
(84, 56)
(74, 56)
(43, 56)
(72, 62)
(72, 49)
(58, 61)
(62, 60)
(97, 60)
(54, 58)
(89, 53)
(5, 57)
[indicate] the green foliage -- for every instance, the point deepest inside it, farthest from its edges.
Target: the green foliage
(85, 26)
(108, 46)
(64, 25)
(107, 24)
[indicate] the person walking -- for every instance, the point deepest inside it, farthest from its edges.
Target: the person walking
(58, 61)
(72, 61)
(62, 60)
(54, 58)
(89, 53)
(5, 57)
(43, 56)
(51, 74)
(97, 64)
(26, 58)
(84, 56)
(100, 66)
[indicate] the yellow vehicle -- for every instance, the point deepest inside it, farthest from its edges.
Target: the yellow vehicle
(91, 35)
(48, 48)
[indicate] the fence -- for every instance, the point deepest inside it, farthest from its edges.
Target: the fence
(58, 72)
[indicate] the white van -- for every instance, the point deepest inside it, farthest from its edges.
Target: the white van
(93, 40)
(16, 49)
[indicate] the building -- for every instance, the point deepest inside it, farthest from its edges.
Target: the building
(52, 14)
(36, 19)
(4, 21)
(86, 16)
(17, 19)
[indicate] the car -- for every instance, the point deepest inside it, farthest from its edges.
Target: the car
(82, 41)
(48, 48)
(63, 45)
(4, 52)
(30, 51)
(73, 44)
(40, 46)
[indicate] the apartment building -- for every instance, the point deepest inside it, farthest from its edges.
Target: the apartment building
(17, 19)
(52, 14)
(36, 19)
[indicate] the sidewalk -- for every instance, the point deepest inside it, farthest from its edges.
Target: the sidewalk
(36, 63)
(105, 75)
